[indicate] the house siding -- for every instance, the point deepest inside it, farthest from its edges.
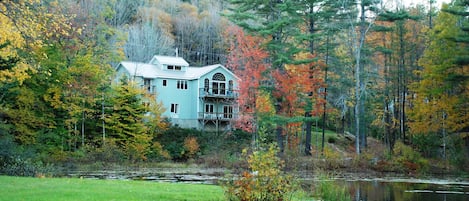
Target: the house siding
(190, 102)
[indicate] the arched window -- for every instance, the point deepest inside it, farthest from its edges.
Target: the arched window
(218, 84)
(218, 77)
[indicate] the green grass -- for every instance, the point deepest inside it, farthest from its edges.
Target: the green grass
(25, 188)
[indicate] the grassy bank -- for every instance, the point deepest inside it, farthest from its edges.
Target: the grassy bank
(25, 188)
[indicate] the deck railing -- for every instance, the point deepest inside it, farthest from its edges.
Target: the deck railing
(218, 93)
(217, 116)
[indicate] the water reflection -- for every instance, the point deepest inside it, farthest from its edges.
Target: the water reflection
(405, 191)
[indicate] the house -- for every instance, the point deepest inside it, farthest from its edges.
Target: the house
(194, 97)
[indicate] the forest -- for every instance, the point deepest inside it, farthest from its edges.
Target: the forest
(370, 69)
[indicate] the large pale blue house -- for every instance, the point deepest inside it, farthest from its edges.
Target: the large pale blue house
(194, 97)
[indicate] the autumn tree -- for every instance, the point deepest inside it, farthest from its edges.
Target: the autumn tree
(126, 120)
(247, 60)
(440, 105)
(298, 89)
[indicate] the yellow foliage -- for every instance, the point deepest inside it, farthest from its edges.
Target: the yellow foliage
(264, 104)
(191, 146)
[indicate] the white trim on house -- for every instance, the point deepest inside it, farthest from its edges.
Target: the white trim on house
(149, 71)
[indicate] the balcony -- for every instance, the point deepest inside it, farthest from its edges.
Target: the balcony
(216, 116)
(218, 93)
(151, 89)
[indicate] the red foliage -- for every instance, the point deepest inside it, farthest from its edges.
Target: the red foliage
(294, 84)
(247, 61)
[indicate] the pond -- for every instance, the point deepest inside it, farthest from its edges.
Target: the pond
(379, 189)
(406, 190)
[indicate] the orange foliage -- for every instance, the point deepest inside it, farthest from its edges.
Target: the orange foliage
(296, 82)
(293, 88)
(247, 61)
(191, 146)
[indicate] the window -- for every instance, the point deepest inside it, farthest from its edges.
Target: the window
(164, 83)
(174, 108)
(222, 88)
(230, 85)
(147, 84)
(182, 84)
(227, 111)
(208, 108)
(206, 84)
(215, 87)
(218, 77)
(173, 67)
(218, 84)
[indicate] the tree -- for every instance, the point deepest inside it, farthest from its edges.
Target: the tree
(150, 35)
(441, 104)
(126, 120)
(357, 33)
(298, 90)
(247, 60)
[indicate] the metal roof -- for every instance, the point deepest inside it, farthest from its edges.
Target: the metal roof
(169, 60)
(153, 71)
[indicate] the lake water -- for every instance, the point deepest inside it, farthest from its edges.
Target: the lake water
(385, 189)
(407, 190)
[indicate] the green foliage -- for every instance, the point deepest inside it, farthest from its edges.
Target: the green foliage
(16, 161)
(457, 152)
(109, 152)
(327, 190)
(126, 121)
(182, 143)
(406, 159)
(428, 144)
(265, 181)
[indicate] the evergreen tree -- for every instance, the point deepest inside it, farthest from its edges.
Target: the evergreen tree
(125, 122)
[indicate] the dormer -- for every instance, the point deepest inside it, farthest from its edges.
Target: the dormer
(170, 63)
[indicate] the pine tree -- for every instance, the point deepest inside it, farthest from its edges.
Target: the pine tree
(125, 123)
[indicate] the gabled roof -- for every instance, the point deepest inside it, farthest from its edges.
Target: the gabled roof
(152, 71)
(168, 60)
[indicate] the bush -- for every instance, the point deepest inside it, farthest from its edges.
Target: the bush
(457, 153)
(17, 162)
(427, 144)
(264, 181)
(173, 141)
(332, 139)
(405, 159)
(328, 191)
(332, 158)
(158, 153)
(27, 167)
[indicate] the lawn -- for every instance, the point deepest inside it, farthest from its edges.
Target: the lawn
(25, 188)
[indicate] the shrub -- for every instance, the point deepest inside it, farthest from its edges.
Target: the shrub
(328, 191)
(332, 139)
(109, 152)
(158, 153)
(264, 181)
(332, 158)
(15, 161)
(457, 154)
(191, 146)
(405, 159)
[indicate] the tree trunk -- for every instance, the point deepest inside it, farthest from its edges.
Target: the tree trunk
(308, 134)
